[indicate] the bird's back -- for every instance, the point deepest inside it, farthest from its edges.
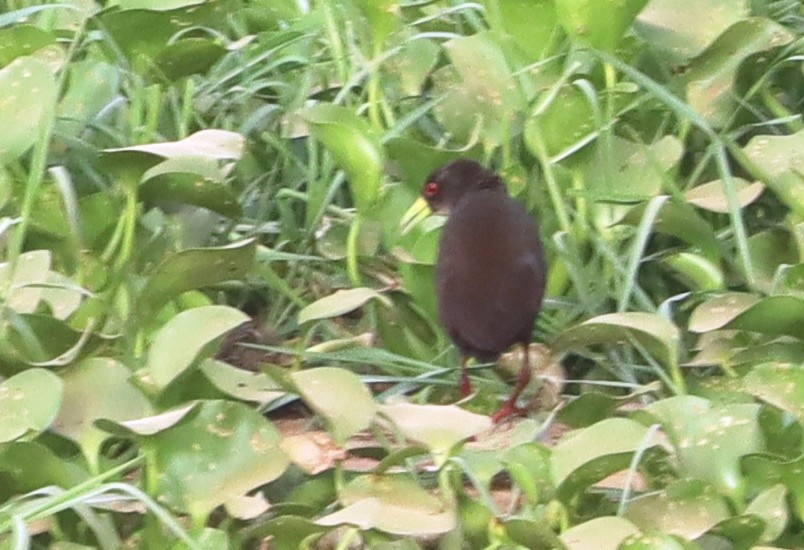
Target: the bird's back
(490, 274)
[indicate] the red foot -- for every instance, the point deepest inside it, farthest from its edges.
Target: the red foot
(465, 386)
(507, 411)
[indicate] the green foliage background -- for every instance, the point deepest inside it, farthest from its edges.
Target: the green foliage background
(165, 166)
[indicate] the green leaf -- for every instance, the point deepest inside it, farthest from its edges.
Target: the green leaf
(531, 533)
(637, 170)
(769, 251)
(339, 303)
(597, 24)
(696, 271)
(188, 56)
(479, 90)
(658, 335)
(192, 269)
(29, 401)
(684, 515)
(97, 388)
(531, 23)
(594, 406)
(288, 532)
(568, 119)
(205, 144)
(680, 220)
(92, 86)
(710, 78)
(587, 455)
(241, 384)
(25, 284)
(780, 384)
(712, 195)
(355, 146)
(31, 466)
(528, 465)
(29, 90)
(682, 29)
(189, 180)
(412, 65)
(178, 343)
(43, 340)
(770, 505)
(774, 315)
(603, 533)
(393, 504)
(19, 40)
(339, 396)
(158, 5)
(711, 439)
(219, 454)
(780, 158)
(437, 427)
(149, 425)
(653, 541)
(381, 15)
(767, 471)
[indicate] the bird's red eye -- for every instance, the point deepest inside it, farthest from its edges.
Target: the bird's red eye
(431, 189)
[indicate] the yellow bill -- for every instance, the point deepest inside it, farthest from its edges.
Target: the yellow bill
(416, 213)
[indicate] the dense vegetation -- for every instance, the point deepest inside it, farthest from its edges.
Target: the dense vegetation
(167, 166)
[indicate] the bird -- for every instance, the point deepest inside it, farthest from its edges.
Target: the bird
(490, 268)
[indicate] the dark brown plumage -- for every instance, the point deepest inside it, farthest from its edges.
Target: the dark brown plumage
(490, 273)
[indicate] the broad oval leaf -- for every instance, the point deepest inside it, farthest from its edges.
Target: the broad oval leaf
(204, 144)
(771, 507)
(531, 23)
(775, 315)
(710, 78)
(25, 284)
(712, 195)
(339, 396)
(598, 24)
(780, 157)
(768, 470)
(178, 343)
(354, 145)
(438, 427)
(29, 401)
(218, 455)
(587, 455)
(31, 465)
(688, 516)
(658, 335)
(780, 384)
(637, 171)
(481, 94)
(711, 439)
(564, 124)
(603, 533)
(29, 90)
(192, 269)
(149, 425)
(339, 303)
(187, 180)
(682, 29)
(240, 383)
(653, 541)
(393, 504)
(97, 388)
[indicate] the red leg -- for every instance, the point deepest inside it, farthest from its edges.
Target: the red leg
(464, 384)
(509, 408)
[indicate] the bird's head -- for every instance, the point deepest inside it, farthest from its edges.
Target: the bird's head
(447, 185)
